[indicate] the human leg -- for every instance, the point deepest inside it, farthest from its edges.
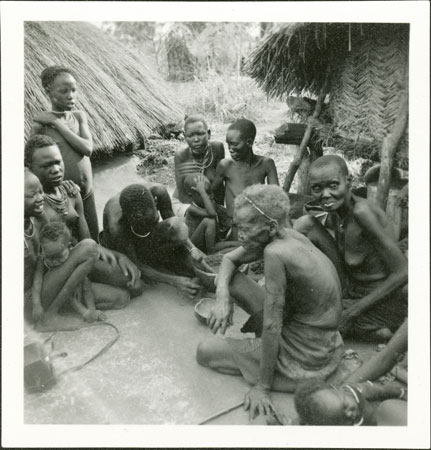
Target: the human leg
(204, 235)
(109, 297)
(91, 216)
(216, 354)
(392, 413)
(60, 282)
(104, 273)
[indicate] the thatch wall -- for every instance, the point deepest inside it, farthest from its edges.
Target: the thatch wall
(367, 64)
(117, 87)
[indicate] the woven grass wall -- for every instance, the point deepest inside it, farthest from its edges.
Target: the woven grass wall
(367, 64)
(121, 93)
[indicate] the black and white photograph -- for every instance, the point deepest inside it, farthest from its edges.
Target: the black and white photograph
(217, 224)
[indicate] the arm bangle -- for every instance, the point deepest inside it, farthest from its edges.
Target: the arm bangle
(370, 383)
(403, 391)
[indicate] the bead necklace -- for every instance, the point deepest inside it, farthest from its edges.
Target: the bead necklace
(207, 159)
(29, 236)
(60, 205)
(139, 235)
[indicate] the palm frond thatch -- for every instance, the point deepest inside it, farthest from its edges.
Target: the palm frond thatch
(123, 98)
(367, 64)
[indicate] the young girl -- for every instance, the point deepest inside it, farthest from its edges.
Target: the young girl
(69, 129)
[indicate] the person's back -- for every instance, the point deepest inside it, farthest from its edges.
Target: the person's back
(312, 310)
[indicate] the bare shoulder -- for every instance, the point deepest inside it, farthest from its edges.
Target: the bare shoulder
(181, 154)
(112, 208)
(224, 164)
(364, 209)
(80, 114)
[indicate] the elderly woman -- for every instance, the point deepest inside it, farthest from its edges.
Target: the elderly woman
(106, 267)
(297, 313)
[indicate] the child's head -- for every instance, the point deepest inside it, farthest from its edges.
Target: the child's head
(240, 137)
(59, 84)
(260, 210)
(318, 403)
(139, 209)
(330, 182)
(54, 242)
(190, 188)
(33, 194)
(43, 157)
(197, 134)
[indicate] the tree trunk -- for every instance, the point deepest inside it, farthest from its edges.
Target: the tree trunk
(390, 144)
(294, 165)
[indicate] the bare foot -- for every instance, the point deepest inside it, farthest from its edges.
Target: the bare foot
(91, 315)
(55, 322)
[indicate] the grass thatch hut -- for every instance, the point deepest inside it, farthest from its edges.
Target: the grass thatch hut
(120, 91)
(367, 67)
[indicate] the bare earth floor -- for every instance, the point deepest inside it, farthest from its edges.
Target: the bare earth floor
(150, 375)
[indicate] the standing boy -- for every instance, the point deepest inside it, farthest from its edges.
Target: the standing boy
(301, 303)
(245, 168)
(358, 234)
(69, 129)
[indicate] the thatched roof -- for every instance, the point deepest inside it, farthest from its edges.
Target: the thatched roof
(367, 64)
(120, 91)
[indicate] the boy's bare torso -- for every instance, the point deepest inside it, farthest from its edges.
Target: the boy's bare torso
(239, 175)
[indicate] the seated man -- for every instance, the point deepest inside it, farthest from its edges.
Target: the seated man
(357, 236)
(301, 303)
(161, 249)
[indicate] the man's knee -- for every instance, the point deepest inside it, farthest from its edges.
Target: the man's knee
(122, 299)
(138, 289)
(175, 229)
(209, 223)
(88, 249)
(205, 352)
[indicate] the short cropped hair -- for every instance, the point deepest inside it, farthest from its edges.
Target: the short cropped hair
(53, 231)
(306, 405)
(136, 201)
(50, 73)
(246, 127)
(35, 142)
(271, 199)
(193, 119)
(190, 180)
(328, 160)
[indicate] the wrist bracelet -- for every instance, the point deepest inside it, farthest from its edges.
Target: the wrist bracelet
(370, 383)
(403, 391)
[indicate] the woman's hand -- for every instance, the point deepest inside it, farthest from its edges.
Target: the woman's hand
(221, 314)
(107, 256)
(72, 188)
(188, 286)
(45, 118)
(130, 270)
(257, 401)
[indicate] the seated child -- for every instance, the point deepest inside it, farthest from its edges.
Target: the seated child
(69, 129)
(201, 155)
(201, 215)
(319, 403)
(245, 168)
(55, 243)
(356, 234)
